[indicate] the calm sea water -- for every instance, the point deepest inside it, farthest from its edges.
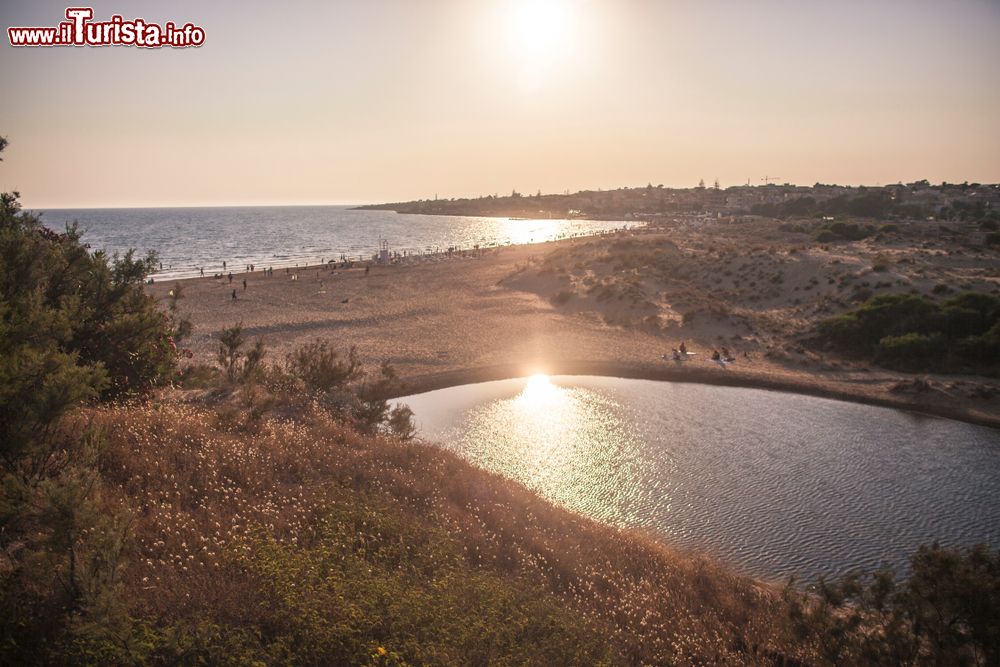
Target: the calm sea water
(775, 484)
(188, 239)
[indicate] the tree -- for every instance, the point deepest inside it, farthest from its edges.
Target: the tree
(75, 327)
(237, 364)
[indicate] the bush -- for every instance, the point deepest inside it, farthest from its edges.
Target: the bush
(945, 613)
(339, 383)
(237, 364)
(881, 264)
(322, 369)
(910, 332)
(74, 326)
(893, 315)
(912, 350)
(843, 231)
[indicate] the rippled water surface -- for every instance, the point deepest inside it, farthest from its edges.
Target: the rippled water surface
(773, 483)
(187, 239)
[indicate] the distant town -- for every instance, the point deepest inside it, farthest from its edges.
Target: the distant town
(920, 200)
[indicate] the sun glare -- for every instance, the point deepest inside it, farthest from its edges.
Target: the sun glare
(540, 33)
(541, 28)
(538, 390)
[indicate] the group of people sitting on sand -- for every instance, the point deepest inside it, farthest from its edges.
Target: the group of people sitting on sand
(681, 354)
(723, 356)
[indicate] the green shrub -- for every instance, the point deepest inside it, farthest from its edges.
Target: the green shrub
(73, 327)
(910, 332)
(981, 350)
(912, 350)
(843, 231)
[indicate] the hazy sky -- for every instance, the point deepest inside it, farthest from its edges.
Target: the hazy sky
(375, 100)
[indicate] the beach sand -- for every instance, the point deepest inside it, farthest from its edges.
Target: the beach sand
(443, 321)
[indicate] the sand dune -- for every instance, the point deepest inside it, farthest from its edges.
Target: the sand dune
(613, 305)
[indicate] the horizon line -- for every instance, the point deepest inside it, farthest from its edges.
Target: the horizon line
(471, 197)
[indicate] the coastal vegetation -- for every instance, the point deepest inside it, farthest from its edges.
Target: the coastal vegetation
(965, 202)
(913, 333)
(153, 511)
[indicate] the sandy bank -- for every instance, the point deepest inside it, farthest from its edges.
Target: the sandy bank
(447, 321)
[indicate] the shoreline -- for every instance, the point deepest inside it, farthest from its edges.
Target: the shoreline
(724, 378)
(411, 256)
(489, 315)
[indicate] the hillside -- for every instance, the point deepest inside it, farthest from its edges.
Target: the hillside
(273, 508)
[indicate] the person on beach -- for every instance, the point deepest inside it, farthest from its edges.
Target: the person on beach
(230, 277)
(202, 269)
(683, 348)
(223, 265)
(367, 269)
(716, 356)
(244, 284)
(234, 295)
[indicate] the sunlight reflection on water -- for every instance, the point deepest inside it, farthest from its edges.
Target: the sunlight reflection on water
(568, 443)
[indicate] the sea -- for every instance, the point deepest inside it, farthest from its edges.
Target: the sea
(189, 240)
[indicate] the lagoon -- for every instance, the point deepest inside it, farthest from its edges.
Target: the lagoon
(774, 484)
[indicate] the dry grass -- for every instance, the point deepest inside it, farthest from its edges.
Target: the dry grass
(214, 506)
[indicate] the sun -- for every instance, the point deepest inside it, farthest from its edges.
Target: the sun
(541, 29)
(543, 38)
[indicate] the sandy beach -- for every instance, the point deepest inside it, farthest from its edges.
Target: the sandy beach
(448, 320)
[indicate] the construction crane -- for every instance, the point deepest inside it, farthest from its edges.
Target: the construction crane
(770, 179)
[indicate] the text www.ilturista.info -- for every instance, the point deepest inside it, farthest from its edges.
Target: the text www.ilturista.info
(79, 30)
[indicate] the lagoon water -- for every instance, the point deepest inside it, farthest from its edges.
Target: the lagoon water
(774, 484)
(187, 239)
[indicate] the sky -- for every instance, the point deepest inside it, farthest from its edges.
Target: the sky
(298, 102)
